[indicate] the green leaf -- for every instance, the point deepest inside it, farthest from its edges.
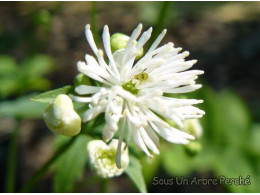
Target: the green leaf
(234, 164)
(37, 65)
(150, 167)
(175, 161)
(50, 95)
(70, 166)
(21, 108)
(9, 86)
(254, 143)
(134, 171)
(221, 126)
(8, 65)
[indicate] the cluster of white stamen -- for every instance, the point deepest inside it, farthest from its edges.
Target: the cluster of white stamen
(142, 105)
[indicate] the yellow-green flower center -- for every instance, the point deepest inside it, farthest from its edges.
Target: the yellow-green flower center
(130, 86)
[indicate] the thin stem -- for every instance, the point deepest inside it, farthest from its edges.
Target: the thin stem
(161, 19)
(88, 182)
(104, 185)
(38, 174)
(11, 161)
(94, 21)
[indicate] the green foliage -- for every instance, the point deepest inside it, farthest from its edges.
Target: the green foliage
(150, 167)
(42, 17)
(21, 108)
(254, 143)
(134, 171)
(50, 95)
(18, 79)
(225, 144)
(70, 166)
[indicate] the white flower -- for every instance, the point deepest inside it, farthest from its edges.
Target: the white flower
(134, 91)
(102, 157)
(61, 118)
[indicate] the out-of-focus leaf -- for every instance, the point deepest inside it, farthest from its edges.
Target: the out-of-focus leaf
(227, 120)
(134, 171)
(42, 17)
(22, 108)
(234, 164)
(36, 83)
(254, 141)
(150, 167)
(8, 86)
(175, 161)
(7, 65)
(70, 166)
(50, 95)
(235, 119)
(38, 65)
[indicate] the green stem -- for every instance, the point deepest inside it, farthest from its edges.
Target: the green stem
(94, 21)
(88, 182)
(38, 174)
(161, 19)
(11, 161)
(104, 185)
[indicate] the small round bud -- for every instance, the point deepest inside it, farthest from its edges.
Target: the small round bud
(119, 41)
(81, 79)
(103, 156)
(61, 118)
(193, 148)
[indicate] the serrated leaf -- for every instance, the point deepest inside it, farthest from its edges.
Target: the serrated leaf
(50, 95)
(70, 166)
(134, 171)
(21, 108)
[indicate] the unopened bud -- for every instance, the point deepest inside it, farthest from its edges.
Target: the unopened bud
(193, 148)
(81, 79)
(119, 41)
(193, 127)
(61, 118)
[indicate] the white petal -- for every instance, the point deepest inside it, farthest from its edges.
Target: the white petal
(85, 89)
(147, 140)
(139, 142)
(106, 41)
(157, 41)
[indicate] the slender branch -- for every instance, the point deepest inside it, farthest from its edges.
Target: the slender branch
(11, 161)
(104, 185)
(94, 21)
(38, 174)
(161, 19)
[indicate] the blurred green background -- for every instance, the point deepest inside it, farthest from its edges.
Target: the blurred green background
(40, 43)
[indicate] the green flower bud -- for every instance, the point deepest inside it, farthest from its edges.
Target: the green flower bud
(61, 118)
(119, 41)
(193, 148)
(81, 79)
(193, 127)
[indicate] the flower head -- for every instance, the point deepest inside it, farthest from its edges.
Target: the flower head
(102, 157)
(136, 91)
